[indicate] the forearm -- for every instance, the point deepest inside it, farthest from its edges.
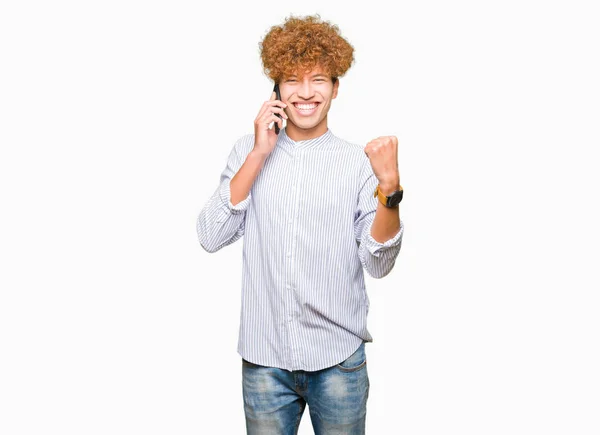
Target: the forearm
(387, 220)
(243, 180)
(379, 257)
(216, 225)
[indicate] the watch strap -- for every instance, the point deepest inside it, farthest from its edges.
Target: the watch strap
(382, 197)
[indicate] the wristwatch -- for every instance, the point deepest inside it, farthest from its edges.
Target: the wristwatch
(390, 201)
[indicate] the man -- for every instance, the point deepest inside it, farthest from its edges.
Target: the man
(314, 211)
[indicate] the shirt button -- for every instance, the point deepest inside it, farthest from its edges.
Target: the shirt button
(289, 254)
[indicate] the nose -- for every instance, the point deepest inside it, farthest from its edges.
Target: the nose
(305, 90)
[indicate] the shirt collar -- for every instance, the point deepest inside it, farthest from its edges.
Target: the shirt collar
(318, 141)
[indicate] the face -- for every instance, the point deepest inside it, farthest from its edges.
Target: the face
(308, 99)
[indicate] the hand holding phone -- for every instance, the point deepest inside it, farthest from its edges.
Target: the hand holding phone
(271, 112)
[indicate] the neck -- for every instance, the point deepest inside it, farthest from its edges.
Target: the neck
(297, 134)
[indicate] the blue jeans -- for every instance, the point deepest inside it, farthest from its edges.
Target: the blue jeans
(274, 399)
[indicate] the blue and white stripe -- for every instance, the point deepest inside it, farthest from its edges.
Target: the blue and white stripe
(307, 237)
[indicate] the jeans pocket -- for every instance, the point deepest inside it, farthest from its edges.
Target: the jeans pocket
(354, 362)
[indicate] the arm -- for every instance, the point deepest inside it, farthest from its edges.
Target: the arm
(222, 220)
(387, 220)
(378, 229)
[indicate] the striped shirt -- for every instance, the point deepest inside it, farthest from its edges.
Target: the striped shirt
(307, 237)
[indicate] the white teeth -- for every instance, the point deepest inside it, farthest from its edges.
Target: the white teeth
(306, 106)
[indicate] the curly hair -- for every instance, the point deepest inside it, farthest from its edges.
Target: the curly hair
(300, 44)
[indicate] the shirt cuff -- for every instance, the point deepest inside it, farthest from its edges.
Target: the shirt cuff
(376, 247)
(225, 194)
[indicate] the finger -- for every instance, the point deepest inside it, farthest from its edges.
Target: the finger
(270, 119)
(279, 110)
(276, 103)
(274, 99)
(277, 119)
(270, 105)
(272, 110)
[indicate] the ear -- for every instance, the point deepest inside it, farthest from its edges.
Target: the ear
(336, 85)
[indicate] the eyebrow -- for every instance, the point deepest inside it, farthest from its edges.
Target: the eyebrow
(313, 76)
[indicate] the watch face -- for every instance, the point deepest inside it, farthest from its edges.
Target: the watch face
(395, 198)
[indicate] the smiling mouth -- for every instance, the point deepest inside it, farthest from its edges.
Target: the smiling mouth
(306, 109)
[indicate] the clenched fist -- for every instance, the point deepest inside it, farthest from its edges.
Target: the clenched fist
(383, 155)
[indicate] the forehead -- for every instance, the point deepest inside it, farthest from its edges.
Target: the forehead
(316, 71)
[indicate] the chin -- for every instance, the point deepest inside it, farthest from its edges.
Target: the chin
(308, 125)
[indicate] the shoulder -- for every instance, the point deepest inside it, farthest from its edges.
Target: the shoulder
(354, 150)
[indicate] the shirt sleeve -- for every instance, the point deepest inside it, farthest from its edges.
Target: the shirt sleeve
(220, 223)
(378, 258)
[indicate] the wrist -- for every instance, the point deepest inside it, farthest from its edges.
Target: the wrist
(258, 152)
(258, 156)
(388, 187)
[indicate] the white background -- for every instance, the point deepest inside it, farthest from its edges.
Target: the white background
(116, 119)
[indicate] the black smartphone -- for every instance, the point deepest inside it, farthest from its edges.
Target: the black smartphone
(278, 96)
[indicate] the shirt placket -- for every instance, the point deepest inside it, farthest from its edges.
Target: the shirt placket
(292, 312)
